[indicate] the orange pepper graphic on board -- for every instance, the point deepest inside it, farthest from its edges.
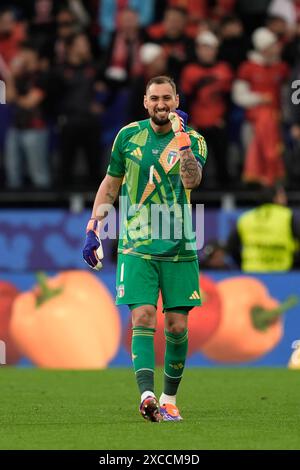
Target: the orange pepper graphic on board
(251, 323)
(68, 321)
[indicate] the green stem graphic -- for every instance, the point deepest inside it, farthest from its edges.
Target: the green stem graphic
(262, 318)
(46, 293)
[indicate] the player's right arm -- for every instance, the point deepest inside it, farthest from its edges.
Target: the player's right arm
(105, 197)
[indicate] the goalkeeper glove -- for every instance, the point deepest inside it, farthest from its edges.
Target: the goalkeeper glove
(92, 250)
(178, 120)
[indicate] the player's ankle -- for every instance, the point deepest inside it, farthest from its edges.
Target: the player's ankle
(146, 394)
(167, 399)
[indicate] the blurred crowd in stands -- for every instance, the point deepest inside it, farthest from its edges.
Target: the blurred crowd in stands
(75, 73)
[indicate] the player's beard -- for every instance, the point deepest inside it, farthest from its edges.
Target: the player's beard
(160, 121)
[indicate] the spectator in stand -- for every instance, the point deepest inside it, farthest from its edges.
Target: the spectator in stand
(266, 238)
(234, 42)
(85, 15)
(172, 37)
(110, 10)
(279, 26)
(122, 58)
(26, 145)
(50, 23)
(199, 10)
(12, 33)
(258, 89)
(66, 28)
(154, 62)
(206, 85)
(79, 111)
(286, 9)
(30, 9)
(41, 28)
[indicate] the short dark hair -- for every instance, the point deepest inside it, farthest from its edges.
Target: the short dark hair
(271, 18)
(183, 11)
(228, 19)
(160, 80)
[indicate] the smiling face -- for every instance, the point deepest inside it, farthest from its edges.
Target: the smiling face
(160, 100)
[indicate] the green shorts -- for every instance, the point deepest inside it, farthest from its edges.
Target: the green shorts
(139, 281)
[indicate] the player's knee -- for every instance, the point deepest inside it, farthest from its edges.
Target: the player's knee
(176, 327)
(144, 316)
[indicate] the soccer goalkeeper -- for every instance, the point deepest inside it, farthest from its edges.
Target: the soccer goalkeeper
(157, 161)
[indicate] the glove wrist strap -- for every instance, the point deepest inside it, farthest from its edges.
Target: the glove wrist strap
(92, 225)
(184, 141)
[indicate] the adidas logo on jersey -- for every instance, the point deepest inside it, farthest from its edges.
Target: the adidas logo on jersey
(137, 153)
(194, 295)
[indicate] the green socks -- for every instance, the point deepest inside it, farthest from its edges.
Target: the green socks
(175, 356)
(142, 348)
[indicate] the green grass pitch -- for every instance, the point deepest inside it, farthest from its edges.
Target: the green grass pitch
(222, 409)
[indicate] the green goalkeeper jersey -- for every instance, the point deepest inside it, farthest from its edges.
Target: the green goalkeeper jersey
(156, 219)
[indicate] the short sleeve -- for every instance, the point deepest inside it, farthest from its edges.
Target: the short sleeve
(116, 165)
(198, 146)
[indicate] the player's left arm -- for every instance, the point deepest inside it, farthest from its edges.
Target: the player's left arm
(190, 169)
(191, 160)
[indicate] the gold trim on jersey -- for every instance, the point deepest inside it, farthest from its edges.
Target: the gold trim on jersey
(156, 174)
